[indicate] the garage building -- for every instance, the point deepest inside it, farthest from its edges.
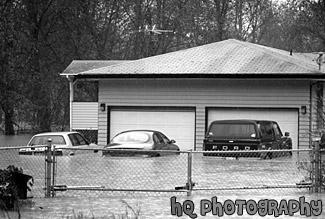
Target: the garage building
(180, 93)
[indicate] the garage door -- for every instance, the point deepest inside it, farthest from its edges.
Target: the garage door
(286, 118)
(175, 124)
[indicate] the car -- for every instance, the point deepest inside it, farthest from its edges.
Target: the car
(148, 143)
(245, 135)
(60, 140)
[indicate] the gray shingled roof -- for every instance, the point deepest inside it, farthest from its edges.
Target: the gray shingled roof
(77, 66)
(228, 57)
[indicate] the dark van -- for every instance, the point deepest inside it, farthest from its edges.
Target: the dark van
(245, 135)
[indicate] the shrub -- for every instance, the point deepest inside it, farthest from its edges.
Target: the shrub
(13, 186)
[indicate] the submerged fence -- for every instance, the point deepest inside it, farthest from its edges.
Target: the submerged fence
(88, 172)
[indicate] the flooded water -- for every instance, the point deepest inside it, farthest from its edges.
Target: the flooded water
(226, 180)
(14, 140)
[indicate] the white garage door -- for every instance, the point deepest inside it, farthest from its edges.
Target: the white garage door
(286, 118)
(177, 125)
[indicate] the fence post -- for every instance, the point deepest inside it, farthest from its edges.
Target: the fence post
(317, 183)
(48, 162)
(53, 171)
(189, 173)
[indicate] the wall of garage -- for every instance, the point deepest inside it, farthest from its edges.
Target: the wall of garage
(202, 94)
(84, 116)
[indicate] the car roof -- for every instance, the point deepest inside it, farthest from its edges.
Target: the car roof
(139, 130)
(241, 121)
(55, 133)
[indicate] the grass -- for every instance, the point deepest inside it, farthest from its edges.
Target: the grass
(129, 213)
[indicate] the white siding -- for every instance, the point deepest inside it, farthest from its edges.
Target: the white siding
(201, 93)
(84, 115)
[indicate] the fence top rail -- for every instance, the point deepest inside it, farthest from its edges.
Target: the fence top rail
(20, 147)
(181, 151)
(172, 151)
(111, 149)
(253, 151)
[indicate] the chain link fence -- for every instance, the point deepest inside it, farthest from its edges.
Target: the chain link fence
(33, 165)
(93, 173)
(227, 170)
(89, 173)
(190, 171)
(91, 135)
(322, 169)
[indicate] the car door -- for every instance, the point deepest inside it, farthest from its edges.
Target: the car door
(79, 142)
(277, 136)
(268, 136)
(169, 144)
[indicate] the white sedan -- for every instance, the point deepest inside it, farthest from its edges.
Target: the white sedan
(148, 143)
(72, 141)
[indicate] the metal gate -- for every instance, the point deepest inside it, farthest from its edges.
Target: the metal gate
(93, 174)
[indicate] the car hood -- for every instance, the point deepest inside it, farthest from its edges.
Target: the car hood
(129, 146)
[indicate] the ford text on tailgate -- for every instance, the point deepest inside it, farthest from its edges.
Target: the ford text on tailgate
(240, 138)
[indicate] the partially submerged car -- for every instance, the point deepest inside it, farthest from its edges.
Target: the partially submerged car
(245, 135)
(149, 143)
(66, 143)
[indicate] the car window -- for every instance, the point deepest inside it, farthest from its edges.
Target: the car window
(165, 139)
(42, 140)
(232, 130)
(160, 140)
(266, 130)
(132, 137)
(277, 130)
(77, 139)
(155, 139)
(262, 129)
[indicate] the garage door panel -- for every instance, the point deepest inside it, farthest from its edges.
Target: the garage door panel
(286, 118)
(177, 125)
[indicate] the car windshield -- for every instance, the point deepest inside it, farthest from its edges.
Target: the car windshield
(42, 140)
(132, 137)
(232, 131)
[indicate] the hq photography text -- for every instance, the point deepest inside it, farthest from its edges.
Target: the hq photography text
(240, 207)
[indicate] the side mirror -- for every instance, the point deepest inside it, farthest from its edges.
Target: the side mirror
(210, 134)
(287, 134)
(172, 141)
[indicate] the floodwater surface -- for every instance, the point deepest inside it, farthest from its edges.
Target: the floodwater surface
(217, 180)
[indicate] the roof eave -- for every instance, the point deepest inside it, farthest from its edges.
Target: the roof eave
(200, 75)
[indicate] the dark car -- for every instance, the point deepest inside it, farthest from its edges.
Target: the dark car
(245, 135)
(141, 142)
